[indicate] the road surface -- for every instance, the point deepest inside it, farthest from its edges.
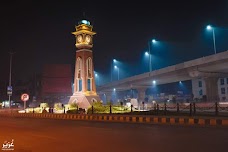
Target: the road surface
(47, 135)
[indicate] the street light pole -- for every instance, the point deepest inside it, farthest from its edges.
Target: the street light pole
(97, 76)
(149, 57)
(111, 70)
(213, 32)
(118, 73)
(149, 48)
(10, 78)
(209, 27)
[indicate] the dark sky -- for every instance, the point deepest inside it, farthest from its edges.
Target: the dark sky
(40, 32)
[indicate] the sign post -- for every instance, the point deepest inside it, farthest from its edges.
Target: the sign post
(9, 90)
(9, 93)
(25, 97)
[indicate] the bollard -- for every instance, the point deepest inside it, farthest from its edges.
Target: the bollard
(143, 105)
(178, 108)
(110, 109)
(64, 110)
(165, 108)
(77, 108)
(216, 108)
(154, 107)
(157, 108)
(131, 108)
(194, 108)
(33, 110)
(92, 109)
(190, 109)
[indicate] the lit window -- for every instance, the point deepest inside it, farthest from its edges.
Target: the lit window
(223, 91)
(201, 92)
(200, 84)
(222, 81)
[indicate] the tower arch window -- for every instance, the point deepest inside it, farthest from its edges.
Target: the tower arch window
(89, 74)
(79, 67)
(79, 76)
(89, 67)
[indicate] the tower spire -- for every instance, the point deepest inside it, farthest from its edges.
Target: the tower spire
(84, 16)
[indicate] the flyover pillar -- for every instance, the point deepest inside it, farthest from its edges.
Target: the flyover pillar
(141, 94)
(211, 84)
(108, 96)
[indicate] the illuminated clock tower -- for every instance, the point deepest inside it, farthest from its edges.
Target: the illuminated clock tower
(84, 80)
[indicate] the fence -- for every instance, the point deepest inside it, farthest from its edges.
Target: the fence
(192, 109)
(217, 108)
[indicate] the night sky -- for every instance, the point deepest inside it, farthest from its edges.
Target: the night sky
(40, 33)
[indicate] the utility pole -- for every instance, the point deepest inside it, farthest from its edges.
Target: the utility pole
(9, 88)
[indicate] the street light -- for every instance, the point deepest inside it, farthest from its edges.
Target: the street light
(147, 59)
(149, 53)
(154, 82)
(209, 27)
(118, 70)
(96, 76)
(113, 61)
(146, 53)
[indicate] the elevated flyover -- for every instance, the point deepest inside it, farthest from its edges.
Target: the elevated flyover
(212, 67)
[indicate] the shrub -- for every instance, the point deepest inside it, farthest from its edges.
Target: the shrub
(58, 106)
(73, 105)
(98, 108)
(44, 105)
(72, 111)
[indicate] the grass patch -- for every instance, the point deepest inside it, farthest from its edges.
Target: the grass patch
(98, 107)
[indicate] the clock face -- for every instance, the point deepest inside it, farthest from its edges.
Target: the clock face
(79, 38)
(88, 38)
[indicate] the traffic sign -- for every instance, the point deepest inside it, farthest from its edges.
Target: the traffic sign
(25, 97)
(9, 90)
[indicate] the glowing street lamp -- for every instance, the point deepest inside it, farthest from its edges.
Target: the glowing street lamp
(154, 82)
(118, 70)
(209, 27)
(113, 61)
(146, 53)
(153, 41)
(96, 76)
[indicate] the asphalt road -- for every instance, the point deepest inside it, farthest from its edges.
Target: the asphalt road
(46, 135)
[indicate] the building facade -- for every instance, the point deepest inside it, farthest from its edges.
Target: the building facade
(199, 89)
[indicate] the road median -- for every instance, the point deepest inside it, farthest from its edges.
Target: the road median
(152, 119)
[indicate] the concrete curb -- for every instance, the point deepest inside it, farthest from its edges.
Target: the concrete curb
(172, 120)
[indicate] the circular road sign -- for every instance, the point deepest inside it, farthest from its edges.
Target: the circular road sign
(25, 97)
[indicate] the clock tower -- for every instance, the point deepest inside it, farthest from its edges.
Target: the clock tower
(84, 80)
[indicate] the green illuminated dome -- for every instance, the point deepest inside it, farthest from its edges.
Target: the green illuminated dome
(84, 22)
